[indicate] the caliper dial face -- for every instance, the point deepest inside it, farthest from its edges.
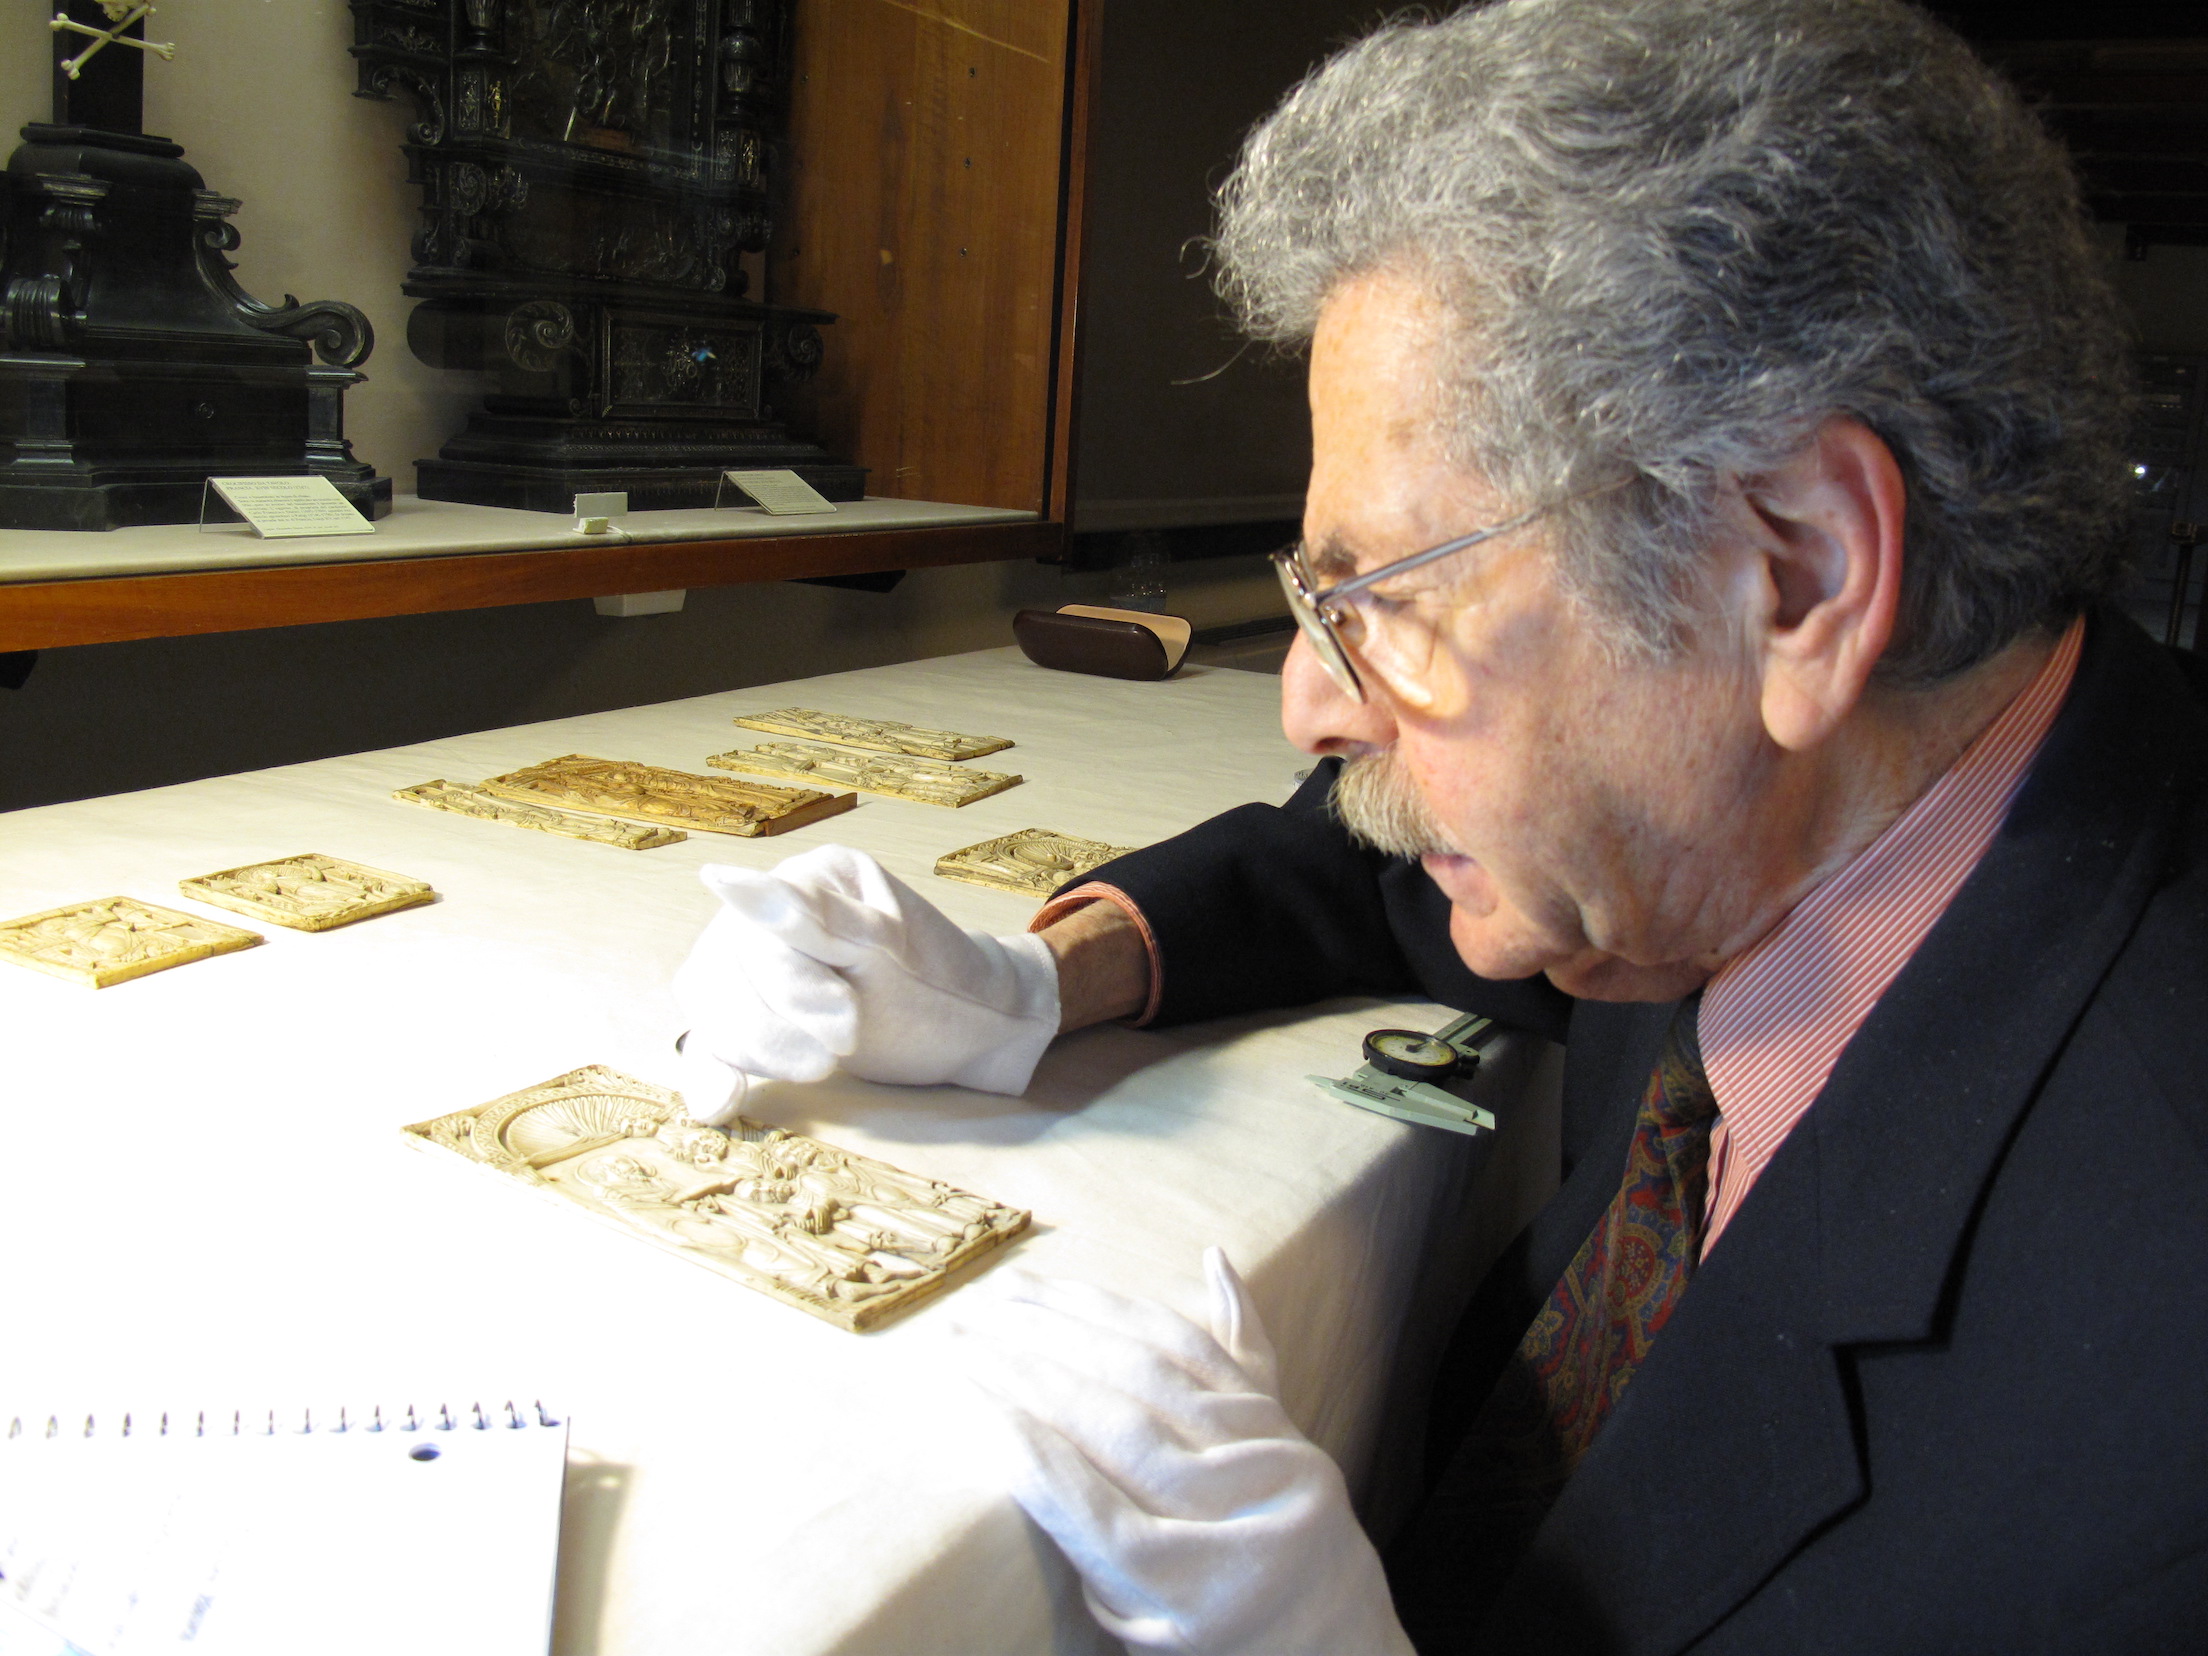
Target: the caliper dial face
(1411, 1054)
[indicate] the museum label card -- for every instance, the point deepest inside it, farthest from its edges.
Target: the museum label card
(280, 507)
(781, 493)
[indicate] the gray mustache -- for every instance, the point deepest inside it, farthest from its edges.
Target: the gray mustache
(1381, 807)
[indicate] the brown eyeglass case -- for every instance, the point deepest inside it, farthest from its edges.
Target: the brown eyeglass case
(1112, 643)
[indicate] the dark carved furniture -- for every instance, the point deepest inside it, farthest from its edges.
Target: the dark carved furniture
(592, 173)
(132, 365)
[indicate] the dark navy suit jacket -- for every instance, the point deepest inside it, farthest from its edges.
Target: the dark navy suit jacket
(1943, 1385)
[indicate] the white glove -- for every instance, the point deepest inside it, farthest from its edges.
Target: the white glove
(1158, 1456)
(830, 960)
(711, 1091)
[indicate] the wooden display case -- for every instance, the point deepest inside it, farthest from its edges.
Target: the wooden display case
(936, 207)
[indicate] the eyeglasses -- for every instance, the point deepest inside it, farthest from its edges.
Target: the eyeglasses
(1399, 653)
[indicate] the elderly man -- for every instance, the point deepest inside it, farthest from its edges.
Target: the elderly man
(1715, 483)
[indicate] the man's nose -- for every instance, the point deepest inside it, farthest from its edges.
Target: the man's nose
(1319, 717)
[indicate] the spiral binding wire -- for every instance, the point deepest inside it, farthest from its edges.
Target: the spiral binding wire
(516, 1419)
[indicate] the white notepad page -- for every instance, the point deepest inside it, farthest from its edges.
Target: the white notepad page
(429, 1542)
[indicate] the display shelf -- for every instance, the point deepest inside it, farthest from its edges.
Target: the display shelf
(438, 529)
(59, 588)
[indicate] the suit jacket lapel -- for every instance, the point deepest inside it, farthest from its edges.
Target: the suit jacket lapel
(1734, 1442)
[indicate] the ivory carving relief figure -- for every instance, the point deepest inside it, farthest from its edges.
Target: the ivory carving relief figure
(1034, 862)
(310, 892)
(876, 735)
(852, 1240)
(618, 787)
(930, 781)
(451, 796)
(114, 940)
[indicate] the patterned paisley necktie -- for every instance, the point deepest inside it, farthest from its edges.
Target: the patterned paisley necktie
(1569, 1371)
(1629, 1275)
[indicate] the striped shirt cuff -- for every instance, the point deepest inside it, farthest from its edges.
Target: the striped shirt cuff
(1096, 891)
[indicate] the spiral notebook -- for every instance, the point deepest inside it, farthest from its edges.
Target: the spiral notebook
(433, 1535)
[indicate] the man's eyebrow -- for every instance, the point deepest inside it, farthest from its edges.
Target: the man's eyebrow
(1330, 561)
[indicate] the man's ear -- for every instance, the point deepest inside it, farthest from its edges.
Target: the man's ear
(1828, 533)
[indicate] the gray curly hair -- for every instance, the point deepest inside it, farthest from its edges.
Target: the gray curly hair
(1674, 237)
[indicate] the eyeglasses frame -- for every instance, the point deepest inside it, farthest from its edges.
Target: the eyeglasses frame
(1315, 611)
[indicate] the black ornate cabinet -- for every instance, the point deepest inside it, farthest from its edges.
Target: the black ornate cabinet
(592, 172)
(132, 365)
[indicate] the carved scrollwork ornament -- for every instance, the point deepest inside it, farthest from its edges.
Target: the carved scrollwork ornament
(537, 332)
(433, 242)
(467, 188)
(73, 196)
(211, 211)
(40, 306)
(682, 364)
(793, 352)
(377, 80)
(420, 42)
(340, 333)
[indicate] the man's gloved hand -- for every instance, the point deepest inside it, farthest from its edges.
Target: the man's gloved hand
(1158, 1456)
(830, 960)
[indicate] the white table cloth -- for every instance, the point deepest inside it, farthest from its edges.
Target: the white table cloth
(210, 1203)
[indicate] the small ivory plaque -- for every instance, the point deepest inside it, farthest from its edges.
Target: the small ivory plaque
(114, 940)
(781, 493)
(309, 892)
(853, 1240)
(277, 507)
(450, 796)
(875, 735)
(619, 787)
(1034, 862)
(926, 780)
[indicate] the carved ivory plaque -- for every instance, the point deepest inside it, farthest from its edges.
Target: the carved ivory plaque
(474, 802)
(877, 735)
(930, 781)
(1034, 861)
(114, 940)
(309, 892)
(848, 1238)
(716, 804)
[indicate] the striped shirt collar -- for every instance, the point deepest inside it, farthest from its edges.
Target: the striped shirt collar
(1775, 1018)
